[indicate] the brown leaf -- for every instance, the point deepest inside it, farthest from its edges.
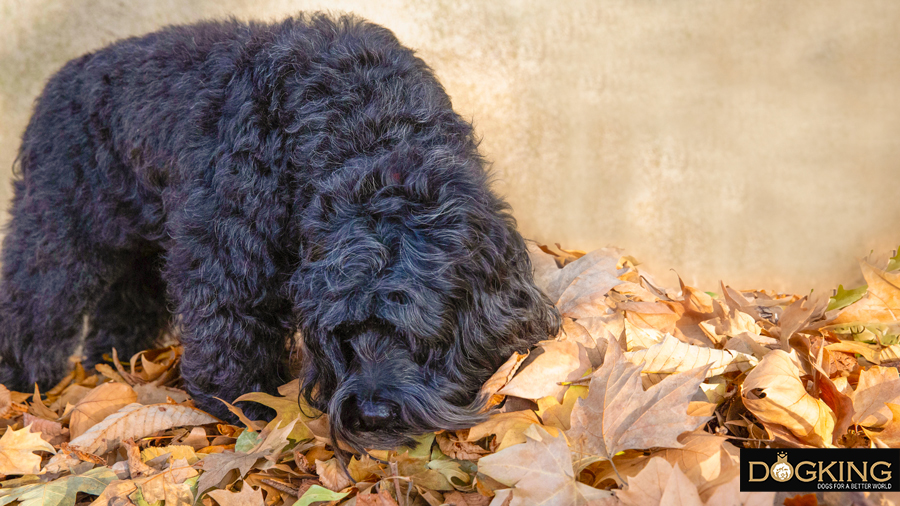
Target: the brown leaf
(136, 466)
(890, 435)
(51, 431)
(774, 392)
(500, 379)
(331, 475)
(541, 472)
(559, 414)
(457, 498)
(459, 448)
(136, 421)
(169, 485)
(586, 280)
(5, 401)
(103, 401)
(554, 362)
(509, 428)
(881, 303)
(877, 386)
(382, 498)
(17, 449)
(618, 414)
(217, 465)
(247, 496)
(660, 483)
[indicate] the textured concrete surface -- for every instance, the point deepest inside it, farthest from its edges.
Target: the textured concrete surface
(755, 142)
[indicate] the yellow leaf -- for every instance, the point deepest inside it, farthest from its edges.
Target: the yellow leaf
(508, 427)
(17, 449)
(785, 401)
(98, 404)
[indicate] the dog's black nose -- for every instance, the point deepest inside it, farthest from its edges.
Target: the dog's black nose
(375, 413)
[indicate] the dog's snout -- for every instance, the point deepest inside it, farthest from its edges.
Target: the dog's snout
(375, 413)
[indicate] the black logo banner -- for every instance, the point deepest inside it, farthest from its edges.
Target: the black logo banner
(812, 470)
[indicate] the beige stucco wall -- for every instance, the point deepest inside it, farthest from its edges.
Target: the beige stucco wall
(755, 142)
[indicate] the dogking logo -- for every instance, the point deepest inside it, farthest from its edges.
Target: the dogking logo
(810, 470)
(782, 471)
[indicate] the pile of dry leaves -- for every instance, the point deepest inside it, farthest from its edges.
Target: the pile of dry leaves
(644, 398)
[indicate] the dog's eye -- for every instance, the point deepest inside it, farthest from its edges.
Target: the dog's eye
(398, 298)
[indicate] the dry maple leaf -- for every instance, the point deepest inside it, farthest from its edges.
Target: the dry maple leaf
(673, 356)
(247, 496)
(880, 304)
(500, 378)
(559, 414)
(582, 284)
(541, 472)
(637, 337)
(169, 485)
(456, 446)
(619, 415)
(554, 362)
(101, 402)
(774, 392)
(17, 449)
(877, 387)
(889, 436)
(217, 465)
(509, 428)
(382, 498)
(874, 353)
(659, 483)
(136, 421)
(331, 475)
(62, 491)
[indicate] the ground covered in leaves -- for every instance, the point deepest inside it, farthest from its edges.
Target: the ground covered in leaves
(645, 398)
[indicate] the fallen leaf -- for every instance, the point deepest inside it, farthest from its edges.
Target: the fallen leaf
(382, 498)
(783, 400)
(332, 475)
(501, 378)
(877, 386)
(459, 447)
(558, 414)
(660, 483)
(62, 491)
(169, 485)
(509, 428)
(17, 449)
(136, 421)
(618, 414)
(554, 362)
(101, 402)
(316, 493)
(880, 304)
(541, 472)
(247, 496)
(673, 356)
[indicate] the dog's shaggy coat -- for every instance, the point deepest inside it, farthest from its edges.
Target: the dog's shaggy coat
(255, 180)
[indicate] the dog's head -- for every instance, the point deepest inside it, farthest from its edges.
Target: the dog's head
(416, 361)
(408, 303)
(413, 285)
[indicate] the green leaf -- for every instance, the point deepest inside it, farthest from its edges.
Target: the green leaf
(894, 262)
(844, 298)
(62, 492)
(317, 493)
(246, 441)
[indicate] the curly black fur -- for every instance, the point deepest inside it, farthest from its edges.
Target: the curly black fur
(307, 175)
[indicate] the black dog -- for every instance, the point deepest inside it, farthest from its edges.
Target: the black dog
(308, 175)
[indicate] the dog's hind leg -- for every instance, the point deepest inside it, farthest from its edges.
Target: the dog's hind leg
(131, 315)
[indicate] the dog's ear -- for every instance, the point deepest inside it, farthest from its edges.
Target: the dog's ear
(322, 365)
(503, 311)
